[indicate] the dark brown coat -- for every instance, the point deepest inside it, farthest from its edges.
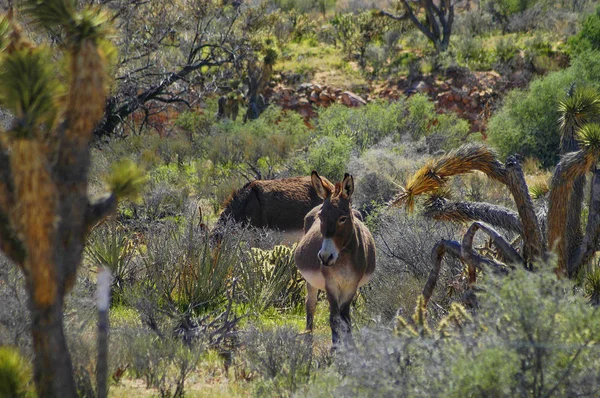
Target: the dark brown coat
(280, 204)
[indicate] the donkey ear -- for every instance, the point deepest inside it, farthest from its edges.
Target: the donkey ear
(347, 185)
(323, 189)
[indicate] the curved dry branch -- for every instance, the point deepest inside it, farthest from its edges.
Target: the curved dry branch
(500, 217)
(463, 160)
(533, 245)
(453, 248)
(589, 246)
(468, 254)
(572, 166)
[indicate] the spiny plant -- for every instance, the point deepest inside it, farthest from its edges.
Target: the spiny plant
(271, 278)
(56, 98)
(555, 227)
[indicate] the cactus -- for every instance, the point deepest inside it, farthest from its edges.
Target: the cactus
(45, 212)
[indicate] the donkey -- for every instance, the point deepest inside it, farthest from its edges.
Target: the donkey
(280, 204)
(336, 254)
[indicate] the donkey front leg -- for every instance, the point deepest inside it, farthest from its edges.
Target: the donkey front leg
(340, 327)
(311, 306)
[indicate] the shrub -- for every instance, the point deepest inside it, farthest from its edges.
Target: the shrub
(110, 246)
(257, 142)
(366, 125)
(283, 359)
(588, 38)
(533, 335)
(270, 277)
(15, 374)
(527, 124)
(328, 155)
(404, 246)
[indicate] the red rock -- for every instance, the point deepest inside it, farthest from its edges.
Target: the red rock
(351, 99)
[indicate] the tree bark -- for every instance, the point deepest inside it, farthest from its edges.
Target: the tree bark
(53, 371)
(497, 216)
(533, 247)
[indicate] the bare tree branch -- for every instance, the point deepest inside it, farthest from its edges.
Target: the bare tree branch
(100, 209)
(533, 246)
(498, 216)
(589, 246)
(468, 254)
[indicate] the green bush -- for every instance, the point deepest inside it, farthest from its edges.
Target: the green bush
(15, 374)
(329, 156)
(532, 335)
(527, 122)
(366, 125)
(265, 142)
(588, 37)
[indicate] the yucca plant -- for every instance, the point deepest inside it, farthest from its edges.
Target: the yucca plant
(556, 227)
(56, 99)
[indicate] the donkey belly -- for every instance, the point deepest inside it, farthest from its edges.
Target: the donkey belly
(315, 278)
(366, 278)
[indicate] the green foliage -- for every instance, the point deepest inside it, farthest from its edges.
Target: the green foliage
(527, 122)
(126, 179)
(282, 358)
(328, 155)
(270, 277)
(532, 335)
(366, 125)
(15, 374)
(471, 52)
(110, 246)
(28, 87)
(257, 142)
(588, 38)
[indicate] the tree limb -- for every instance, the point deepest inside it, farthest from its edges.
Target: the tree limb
(497, 216)
(589, 246)
(453, 248)
(99, 209)
(468, 254)
(533, 245)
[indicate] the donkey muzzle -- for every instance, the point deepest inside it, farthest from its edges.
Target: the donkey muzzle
(328, 253)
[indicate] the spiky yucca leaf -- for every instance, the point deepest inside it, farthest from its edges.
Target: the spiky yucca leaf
(5, 30)
(89, 23)
(126, 179)
(537, 191)
(592, 285)
(579, 108)
(463, 160)
(51, 13)
(29, 88)
(589, 136)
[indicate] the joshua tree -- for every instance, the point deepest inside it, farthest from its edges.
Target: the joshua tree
(556, 226)
(45, 212)
(439, 16)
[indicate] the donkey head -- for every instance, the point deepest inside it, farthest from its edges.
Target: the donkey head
(337, 223)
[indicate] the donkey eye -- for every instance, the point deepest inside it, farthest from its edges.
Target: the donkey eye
(342, 219)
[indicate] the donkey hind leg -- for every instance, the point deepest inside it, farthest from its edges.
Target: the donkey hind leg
(311, 306)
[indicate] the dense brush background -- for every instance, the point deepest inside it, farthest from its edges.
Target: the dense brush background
(183, 320)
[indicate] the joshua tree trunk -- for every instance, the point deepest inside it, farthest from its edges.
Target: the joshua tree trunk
(53, 372)
(45, 212)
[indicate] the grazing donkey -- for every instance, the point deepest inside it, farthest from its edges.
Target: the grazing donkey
(280, 204)
(336, 254)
